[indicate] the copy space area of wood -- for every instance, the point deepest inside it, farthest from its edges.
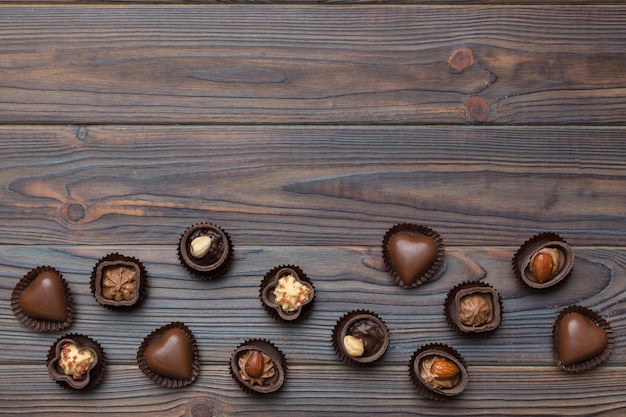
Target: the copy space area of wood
(306, 130)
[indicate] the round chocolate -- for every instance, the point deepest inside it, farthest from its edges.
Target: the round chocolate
(205, 250)
(42, 300)
(76, 362)
(473, 308)
(582, 339)
(258, 367)
(286, 293)
(367, 331)
(413, 254)
(118, 282)
(438, 371)
(543, 260)
(169, 356)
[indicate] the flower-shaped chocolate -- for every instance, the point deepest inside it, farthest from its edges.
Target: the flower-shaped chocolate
(118, 281)
(76, 362)
(286, 293)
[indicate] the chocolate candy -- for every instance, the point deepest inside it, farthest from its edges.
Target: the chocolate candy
(169, 356)
(473, 308)
(413, 254)
(76, 362)
(287, 293)
(438, 371)
(42, 301)
(360, 338)
(205, 250)
(118, 282)
(543, 261)
(258, 367)
(582, 339)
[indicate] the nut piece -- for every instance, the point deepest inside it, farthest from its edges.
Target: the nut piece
(254, 364)
(545, 264)
(353, 345)
(443, 368)
(200, 246)
(75, 362)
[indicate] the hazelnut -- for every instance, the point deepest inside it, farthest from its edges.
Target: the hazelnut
(200, 246)
(353, 345)
(255, 364)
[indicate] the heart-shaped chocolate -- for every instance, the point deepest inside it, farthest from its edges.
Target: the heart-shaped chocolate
(171, 355)
(411, 255)
(579, 339)
(45, 298)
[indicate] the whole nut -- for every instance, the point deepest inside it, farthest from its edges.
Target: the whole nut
(200, 246)
(544, 264)
(353, 345)
(443, 368)
(255, 364)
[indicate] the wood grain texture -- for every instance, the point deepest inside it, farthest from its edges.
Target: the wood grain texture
(311, 186)
(312, 64)
(514, 363)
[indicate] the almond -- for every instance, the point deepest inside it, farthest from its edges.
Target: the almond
(542, 267)
(255, 364)
(443, 368)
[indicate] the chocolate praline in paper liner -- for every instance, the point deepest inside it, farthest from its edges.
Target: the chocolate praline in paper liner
(162, 380)
(596, 319)
(95, 374)
(268, 283)
(436, 269)
(205, 272)
(278, 358)
(340, 330)
(35, 323)
(521, 258)
(465, 288)
(447, 352)
(118, 259)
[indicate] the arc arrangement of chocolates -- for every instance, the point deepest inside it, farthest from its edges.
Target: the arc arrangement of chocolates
(413, 255)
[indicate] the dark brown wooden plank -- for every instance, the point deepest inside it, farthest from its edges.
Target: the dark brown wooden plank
(310, 186)
(323, 392)
(312, 64)
(223, 313)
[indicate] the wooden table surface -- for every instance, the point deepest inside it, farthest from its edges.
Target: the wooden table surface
(306, 130)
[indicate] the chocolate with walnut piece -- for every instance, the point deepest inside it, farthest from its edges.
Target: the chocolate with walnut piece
(205, 250)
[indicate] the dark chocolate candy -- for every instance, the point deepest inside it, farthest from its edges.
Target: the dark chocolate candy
(271, 375)
(268, 298)
(369, 329)
(201, 257)
(543, 261)
(118, 282)
(429, 388)
(78, 377)
(473, 308)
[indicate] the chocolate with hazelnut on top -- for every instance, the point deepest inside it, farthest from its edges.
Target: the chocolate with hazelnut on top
(543, 261)
(205, 250)
(360, 338)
